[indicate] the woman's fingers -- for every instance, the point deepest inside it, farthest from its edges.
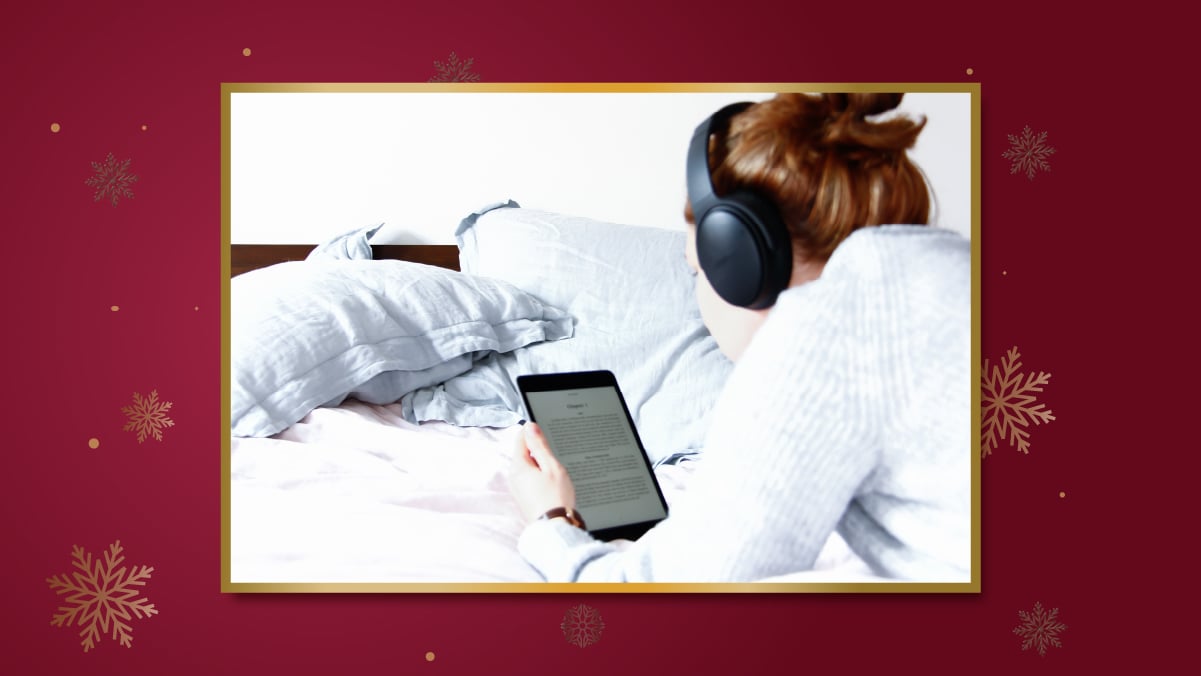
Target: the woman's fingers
(535, 441)
(536, 478)
(521, 452)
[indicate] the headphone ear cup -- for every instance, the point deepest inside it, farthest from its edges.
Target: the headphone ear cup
(729, 254)
(744, 250)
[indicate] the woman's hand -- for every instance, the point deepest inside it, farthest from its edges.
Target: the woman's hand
(538, 481)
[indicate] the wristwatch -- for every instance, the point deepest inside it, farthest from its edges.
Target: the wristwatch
(573, 517)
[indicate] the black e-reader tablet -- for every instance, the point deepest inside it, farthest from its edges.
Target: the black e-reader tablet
(589, 428)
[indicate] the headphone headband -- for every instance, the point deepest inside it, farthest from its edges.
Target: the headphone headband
(700, 184)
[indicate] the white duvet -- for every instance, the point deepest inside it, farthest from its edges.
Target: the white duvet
(357, 494)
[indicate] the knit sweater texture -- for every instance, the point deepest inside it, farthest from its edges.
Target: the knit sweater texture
(850, 410)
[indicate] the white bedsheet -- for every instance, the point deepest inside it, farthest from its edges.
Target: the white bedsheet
(357, 494)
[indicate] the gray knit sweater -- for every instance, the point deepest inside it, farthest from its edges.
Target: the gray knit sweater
(849, 410)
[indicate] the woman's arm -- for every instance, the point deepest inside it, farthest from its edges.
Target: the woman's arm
(787, 450)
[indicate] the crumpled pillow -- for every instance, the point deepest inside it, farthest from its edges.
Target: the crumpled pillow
(311, 333)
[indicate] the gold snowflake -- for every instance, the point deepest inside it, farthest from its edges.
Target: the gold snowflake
(103, 597)
(1008, 403)
(112, 179)
(1029, 152)
(147, 416)
(1039, 629)
(582, 626)
(454, 70)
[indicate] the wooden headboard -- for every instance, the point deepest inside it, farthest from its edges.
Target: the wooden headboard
(247, 257)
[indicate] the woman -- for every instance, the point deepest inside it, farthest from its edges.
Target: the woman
(849, 405)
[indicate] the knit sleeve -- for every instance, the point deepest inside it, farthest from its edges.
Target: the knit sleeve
(786, 452)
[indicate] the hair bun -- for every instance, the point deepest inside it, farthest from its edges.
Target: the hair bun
(847, 128)
(859, 106)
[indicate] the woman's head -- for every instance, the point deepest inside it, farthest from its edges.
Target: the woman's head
(828, 168)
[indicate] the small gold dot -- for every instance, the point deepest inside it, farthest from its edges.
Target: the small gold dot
(115, 308)
(969, 71)
(246, 52)
(93, 443)
(54, 127)
(429, 657)
(1062, 494)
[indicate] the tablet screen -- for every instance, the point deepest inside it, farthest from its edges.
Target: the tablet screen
(590, 433)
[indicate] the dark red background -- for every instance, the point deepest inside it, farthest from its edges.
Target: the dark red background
(1096, 290)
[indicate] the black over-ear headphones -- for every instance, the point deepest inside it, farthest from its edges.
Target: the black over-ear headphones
(742, 243)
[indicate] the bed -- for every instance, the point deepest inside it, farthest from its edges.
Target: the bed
(351, 464)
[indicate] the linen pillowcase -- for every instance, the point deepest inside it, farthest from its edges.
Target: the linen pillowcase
(311, 333)
(353, 245)
(632, 296)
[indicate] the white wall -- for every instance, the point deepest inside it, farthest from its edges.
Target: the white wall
(307, 166)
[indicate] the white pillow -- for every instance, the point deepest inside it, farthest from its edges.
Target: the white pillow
(311, 333)
(631, 294)
(352, 245)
